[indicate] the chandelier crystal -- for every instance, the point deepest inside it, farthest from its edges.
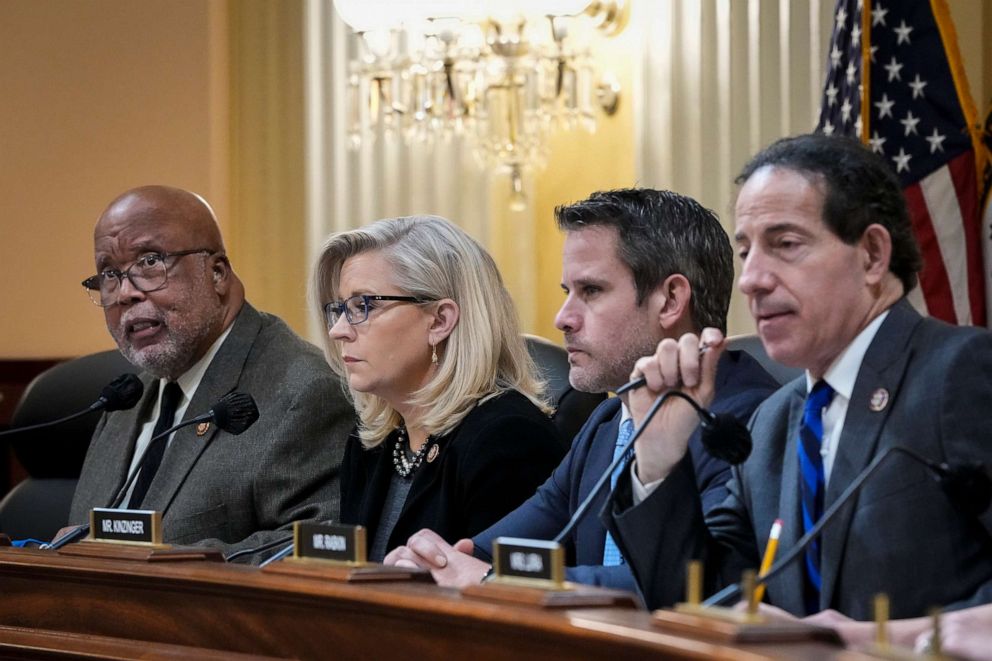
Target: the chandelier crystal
(502, 74)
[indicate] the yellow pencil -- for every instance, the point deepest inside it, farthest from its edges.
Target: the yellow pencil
(766, 562)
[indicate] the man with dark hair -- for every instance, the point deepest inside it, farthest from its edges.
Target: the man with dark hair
(827, 260)
(177, 311)
(639, 265)
(856, 193)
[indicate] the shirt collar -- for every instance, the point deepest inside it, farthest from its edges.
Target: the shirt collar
(843, 372)
(625, 413)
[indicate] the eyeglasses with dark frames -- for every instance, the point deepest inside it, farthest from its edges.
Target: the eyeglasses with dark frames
(148, 273)
(356, 308)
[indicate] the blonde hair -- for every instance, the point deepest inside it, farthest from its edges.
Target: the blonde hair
(485, 352)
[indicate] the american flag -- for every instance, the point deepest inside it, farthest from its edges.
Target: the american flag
(913, 107)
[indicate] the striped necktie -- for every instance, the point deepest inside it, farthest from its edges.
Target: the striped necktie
(812, 484)
(611, 553)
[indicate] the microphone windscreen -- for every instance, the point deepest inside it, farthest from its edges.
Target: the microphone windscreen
(122, 393)
(727, 438)
(235, 412)
(968, 487)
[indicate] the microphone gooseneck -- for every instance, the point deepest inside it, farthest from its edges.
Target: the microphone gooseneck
(630, 385)
(236, 409)
(967, 486)
(638, 382)
(724, 436)
(234, 413)
(713, 425)
(265, 547)
(120, 394)
(279, 555)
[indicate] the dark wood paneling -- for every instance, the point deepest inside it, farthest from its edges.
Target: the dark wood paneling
(226, 608)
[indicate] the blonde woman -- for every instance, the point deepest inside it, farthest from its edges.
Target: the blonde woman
(454, 430)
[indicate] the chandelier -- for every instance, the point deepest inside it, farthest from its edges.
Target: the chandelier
(501, 73)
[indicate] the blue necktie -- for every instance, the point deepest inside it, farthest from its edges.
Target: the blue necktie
(611, 554)
(812, 484)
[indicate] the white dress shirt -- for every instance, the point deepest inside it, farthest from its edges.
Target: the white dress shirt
(840, 376)
(188, 383)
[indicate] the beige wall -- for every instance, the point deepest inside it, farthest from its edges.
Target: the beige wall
(581, 164)
(96, 97)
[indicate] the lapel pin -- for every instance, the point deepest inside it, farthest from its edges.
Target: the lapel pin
(202, 428)
(879, 400)
(433, 453)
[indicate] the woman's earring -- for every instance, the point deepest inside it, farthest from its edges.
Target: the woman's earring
(433, 354)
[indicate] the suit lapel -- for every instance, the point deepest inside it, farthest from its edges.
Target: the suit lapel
(427, 474)
(221, 377)
(883, 368)
(789, 507)
(126, 425)
(590, 535)
(377, 488)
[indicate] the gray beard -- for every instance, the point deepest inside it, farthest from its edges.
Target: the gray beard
(171, 358)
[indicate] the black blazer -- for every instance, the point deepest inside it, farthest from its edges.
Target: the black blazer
(493, 461)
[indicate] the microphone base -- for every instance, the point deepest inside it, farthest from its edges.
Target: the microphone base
(140, 553)
(733, 626)
(346, 573)
(572, 595)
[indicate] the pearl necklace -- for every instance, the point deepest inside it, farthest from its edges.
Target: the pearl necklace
(406, 467)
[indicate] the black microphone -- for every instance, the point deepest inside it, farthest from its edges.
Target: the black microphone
(723, 437)
(234, 413)
(966, 485)
(120, 394)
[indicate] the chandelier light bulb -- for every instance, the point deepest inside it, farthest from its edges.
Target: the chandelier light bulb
(502, 74)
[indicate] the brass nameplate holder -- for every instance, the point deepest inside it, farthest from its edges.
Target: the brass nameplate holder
(529, 562)
(132, 535)
(142, 527)
(332, 543)
(338, 553)
(730, 624)
(882, 647)
(529, 571)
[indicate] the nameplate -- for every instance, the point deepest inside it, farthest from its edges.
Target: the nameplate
(129, 526)
(335, 543)
(530, 561)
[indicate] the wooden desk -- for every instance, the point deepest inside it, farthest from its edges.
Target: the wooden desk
(50, 602)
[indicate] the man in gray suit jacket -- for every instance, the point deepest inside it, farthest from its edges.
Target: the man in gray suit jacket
(177, 310)
(828, 257)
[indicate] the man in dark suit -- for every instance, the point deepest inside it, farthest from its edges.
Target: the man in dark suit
(828, 257)
(638, 265)
(178, 312)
